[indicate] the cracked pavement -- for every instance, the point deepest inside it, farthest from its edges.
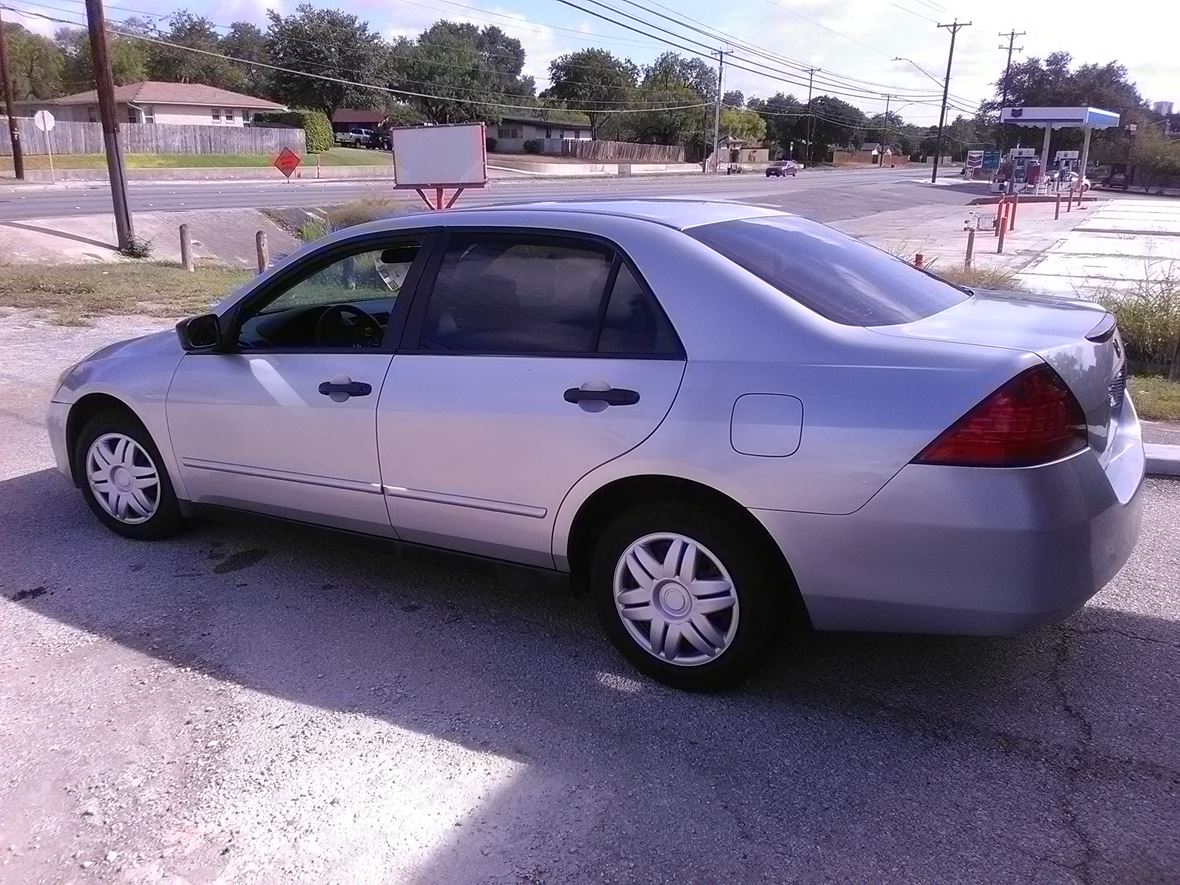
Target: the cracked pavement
(247, 704)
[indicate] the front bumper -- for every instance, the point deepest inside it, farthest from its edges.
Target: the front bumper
(55, 424)
(975, 551)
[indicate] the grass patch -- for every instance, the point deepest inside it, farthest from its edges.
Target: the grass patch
(73, 294)
(1149, 319)
(358, 212)
(1155, 397)
(980, 278)
(334, 157)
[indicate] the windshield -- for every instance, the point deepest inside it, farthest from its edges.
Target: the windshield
(833, 274)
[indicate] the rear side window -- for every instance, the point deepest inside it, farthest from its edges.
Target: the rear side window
(835, 275)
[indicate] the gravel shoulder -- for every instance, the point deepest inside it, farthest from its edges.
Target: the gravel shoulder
(246, 704)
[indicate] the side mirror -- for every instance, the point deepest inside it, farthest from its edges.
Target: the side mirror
(199, 334)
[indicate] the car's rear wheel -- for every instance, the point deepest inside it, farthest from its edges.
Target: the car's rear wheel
(123, 478)
(686, 595)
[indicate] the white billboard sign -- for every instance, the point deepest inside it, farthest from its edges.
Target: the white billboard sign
(440, 156)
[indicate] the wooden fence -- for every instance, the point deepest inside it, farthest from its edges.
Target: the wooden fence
(156, 138)
(606, 151)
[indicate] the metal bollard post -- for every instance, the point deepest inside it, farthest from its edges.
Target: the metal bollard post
(1069, 200)
(1057, 208)
(186, 248)
(919, 260)
(970, 259)
(1003, 230)
(1012, 212)
(263, 251)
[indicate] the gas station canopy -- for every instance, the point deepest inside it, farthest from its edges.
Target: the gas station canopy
(1060, 118)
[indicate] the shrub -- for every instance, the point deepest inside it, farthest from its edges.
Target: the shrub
(980, 278)
(490, 144)
(532, 146)
(361, 212)
(313, 230)
(1149, 319)
(137, 247)
(317, 129)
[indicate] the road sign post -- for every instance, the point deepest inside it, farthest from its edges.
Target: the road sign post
(287, 162)
(45, 121)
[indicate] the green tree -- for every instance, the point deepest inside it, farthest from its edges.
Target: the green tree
(174, 65)
(743, 124)
(246, 41)
(35, 63)
(837, 124)
(735, 98)
(130, 59)
(325, 42)
(593, 80)
(467, 68)
(785, 122)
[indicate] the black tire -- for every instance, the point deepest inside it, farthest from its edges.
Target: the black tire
(761, 587)
(166, 520)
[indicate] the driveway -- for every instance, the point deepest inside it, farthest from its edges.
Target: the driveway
(246, 704)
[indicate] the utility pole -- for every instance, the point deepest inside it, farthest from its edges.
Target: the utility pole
(881, 153)
(105, 87)
(18, 155)
(717, 112)
(954, 28)
(1011, 35)
(811, 72)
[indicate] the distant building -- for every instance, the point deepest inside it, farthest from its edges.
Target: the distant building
(155, 102)
(1163, 108)
(514, 130)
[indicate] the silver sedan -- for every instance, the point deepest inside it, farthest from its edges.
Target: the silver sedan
(723, 421)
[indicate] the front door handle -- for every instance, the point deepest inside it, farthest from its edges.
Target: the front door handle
(612, 396)
(340, 389)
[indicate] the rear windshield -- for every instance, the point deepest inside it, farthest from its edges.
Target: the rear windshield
(835, 275)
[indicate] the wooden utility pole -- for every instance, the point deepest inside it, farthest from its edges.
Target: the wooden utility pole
(954, 28)
(1011, 47)
(105, 87)
(717, 112)
(811, 72)
(18, 155)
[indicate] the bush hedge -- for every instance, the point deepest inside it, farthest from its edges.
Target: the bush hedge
(317, 128)
(532, 146)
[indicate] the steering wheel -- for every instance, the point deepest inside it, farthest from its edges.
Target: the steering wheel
(345, 325)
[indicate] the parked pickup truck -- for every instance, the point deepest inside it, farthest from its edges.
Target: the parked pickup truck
(355, 136)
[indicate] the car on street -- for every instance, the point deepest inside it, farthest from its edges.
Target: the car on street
(783, 168)
(355, 136)
(724, 422)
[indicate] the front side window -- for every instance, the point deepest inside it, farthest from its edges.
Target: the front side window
(343, 305)
(835, 275)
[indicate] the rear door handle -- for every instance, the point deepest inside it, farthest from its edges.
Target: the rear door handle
(345, 389)
(612, 396)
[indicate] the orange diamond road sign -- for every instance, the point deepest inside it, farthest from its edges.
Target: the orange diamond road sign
(287, 162)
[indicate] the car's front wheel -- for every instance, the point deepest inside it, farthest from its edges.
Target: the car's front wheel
(686, 595)
(123, 478)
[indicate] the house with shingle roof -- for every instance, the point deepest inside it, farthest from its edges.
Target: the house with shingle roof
(156, 102)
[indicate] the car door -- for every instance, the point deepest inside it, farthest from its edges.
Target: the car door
(532, 359)
(283, 420)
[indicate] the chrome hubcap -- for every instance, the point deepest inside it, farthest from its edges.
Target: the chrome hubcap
(123, 478)
(676, 599)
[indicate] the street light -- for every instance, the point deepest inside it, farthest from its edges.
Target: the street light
(919, 67)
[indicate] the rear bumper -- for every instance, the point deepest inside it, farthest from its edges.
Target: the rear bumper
(976, 551)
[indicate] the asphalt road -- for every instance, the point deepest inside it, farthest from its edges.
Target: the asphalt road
(240, 704)
(826, 195)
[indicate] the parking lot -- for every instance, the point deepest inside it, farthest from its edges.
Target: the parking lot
(246, 704)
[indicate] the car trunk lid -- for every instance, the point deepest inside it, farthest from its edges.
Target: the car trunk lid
(1078, 339)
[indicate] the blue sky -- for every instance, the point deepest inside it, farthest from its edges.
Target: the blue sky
(854, 39)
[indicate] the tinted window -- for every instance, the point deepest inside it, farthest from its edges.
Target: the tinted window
(634, 323)
(497, 294)
(835, 275)
(346, 304)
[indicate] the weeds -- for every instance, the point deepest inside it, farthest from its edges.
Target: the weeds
(1149, 319)
(981, 278)
(137, 247)
(1155, 397)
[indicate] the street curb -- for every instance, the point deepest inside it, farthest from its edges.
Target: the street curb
(1162, 460)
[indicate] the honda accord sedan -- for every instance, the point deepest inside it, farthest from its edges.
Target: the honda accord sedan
(723, 421)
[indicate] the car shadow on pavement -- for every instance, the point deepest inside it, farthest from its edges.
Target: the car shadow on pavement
(1047, 756)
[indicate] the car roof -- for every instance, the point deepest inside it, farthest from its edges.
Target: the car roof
(680, 214)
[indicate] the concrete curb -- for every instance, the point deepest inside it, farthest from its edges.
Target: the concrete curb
(1162, 460)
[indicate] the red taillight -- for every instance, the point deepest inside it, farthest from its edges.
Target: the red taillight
(1032, 419)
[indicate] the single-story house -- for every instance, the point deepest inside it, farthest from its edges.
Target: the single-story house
(155, 102)
(515, 129)
(344, 119)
